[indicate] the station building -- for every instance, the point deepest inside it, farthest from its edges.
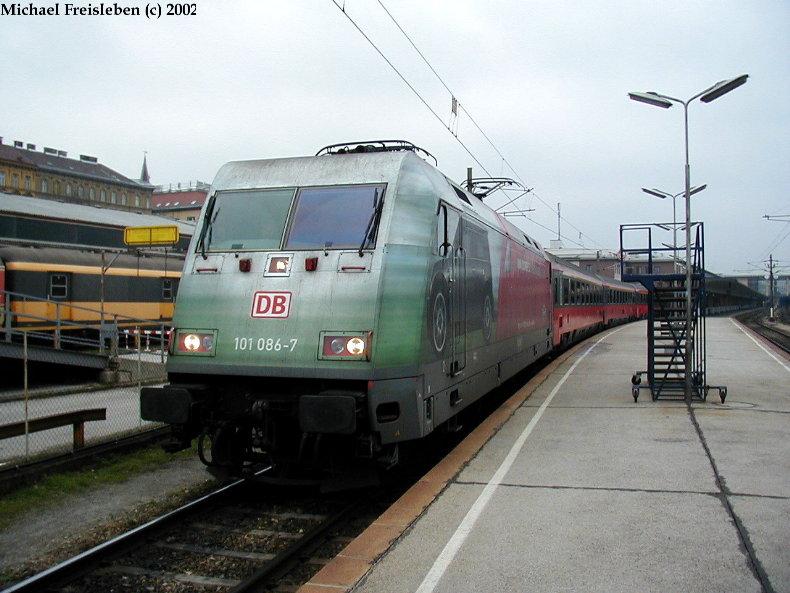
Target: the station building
(52, 175)
(606, 262)
(182, 202)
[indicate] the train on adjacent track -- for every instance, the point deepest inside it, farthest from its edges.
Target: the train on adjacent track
(41, 286)
(335, 307)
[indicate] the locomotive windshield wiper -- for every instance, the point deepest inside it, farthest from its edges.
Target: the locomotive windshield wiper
(208, 220)
(373, 223)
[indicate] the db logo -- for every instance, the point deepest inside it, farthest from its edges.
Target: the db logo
(271, 304)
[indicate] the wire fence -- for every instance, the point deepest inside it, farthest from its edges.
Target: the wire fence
(74, 385)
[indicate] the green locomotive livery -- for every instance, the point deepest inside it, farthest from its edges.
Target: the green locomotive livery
(345, 302)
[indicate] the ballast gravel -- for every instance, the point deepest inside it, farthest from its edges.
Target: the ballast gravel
(43, 537)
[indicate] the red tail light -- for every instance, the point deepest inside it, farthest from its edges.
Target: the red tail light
(311, 264)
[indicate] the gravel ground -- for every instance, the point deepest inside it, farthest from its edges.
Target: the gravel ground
(45, 536)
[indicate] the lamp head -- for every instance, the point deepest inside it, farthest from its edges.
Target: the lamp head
(651, 99)
(722, 88)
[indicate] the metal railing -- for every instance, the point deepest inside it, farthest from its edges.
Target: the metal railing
(40, 378)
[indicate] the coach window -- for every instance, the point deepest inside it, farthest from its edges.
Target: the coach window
(59, 286)
(167, 290)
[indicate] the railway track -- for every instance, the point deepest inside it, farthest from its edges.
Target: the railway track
(236, 539)
(248, 536)
(755, 320)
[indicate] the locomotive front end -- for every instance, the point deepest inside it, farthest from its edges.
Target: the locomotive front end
(275, 330)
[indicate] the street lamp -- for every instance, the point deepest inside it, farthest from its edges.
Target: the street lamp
(664, 101)
(662, 194)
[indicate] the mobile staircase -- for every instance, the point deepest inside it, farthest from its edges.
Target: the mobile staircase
(676, 349)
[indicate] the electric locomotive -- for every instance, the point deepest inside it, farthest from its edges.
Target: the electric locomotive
(343, 304)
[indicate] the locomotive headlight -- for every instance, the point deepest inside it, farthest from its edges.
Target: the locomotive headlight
(197, 342)
(345, 345)
(356, 346)
(191, 342)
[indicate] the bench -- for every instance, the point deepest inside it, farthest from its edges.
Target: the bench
(77, 419)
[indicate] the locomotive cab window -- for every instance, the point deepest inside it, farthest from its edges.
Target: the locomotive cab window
(246, 220)
(59, 286)
(341, 217)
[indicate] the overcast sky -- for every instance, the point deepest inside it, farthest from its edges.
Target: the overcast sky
(546, 80)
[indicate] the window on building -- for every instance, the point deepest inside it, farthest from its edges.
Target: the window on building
(103, 195)
(44, 186)
(2, 179)
(15, 181)
(136, 200)
(56, 188)
(28, 183)
(92, 193)
(68, 189)
(123, 198)
(58, 286)
(113, 197)
(147, 202)
(80, 191)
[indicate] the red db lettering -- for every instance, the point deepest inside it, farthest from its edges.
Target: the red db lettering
(271, 304)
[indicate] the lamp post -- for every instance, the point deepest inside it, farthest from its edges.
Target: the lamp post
(662, 194)
(665, 102)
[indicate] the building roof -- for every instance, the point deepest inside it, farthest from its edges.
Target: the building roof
(601, 254)
(25, 206)
(179, 200)
(86, 167)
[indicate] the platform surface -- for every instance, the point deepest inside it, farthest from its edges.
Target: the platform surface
(585, 490)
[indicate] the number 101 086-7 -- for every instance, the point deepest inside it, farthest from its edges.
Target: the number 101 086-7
(264, 344)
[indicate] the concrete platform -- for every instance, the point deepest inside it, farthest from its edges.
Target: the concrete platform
(579, 488)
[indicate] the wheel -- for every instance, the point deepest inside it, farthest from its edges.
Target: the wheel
(636, 379)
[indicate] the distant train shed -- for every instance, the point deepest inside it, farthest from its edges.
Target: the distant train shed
(727, 294)
(33, 221)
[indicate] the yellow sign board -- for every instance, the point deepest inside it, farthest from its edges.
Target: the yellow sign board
(151, 235)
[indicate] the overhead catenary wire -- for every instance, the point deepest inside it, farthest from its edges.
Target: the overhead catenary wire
(476, 125)
(408, 84)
